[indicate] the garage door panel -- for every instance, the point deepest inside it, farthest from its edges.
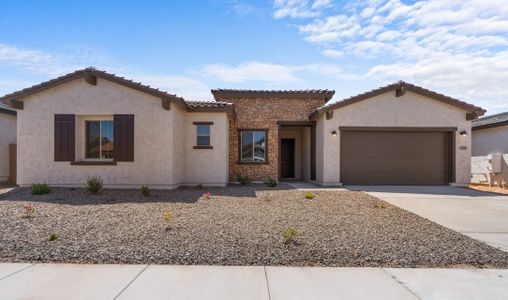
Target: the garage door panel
(394, 157)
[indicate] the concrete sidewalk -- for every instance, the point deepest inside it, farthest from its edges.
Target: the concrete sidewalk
(479, 215)
(72, 281)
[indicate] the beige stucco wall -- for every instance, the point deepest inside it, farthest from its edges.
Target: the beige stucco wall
(159, 138)
(7, 136)
(490, 140)
(386, 110)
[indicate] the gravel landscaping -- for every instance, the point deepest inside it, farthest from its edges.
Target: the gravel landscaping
(240, 225)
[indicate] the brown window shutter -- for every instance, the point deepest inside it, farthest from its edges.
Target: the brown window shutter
(65, 131)
(123, 137)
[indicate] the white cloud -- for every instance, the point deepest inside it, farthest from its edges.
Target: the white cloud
(266, 72)
(299, 8)
(457, 47)
(188, 88)
(333, 53)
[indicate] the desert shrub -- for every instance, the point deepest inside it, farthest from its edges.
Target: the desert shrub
(379, 204)
(207, 196)
(145, 191)
(289, 235)
(243, 179)
(40, 189)
(270, 182)
(167, 215)
(309, 195)
(29, 211)
(94, 184)
(53, 236)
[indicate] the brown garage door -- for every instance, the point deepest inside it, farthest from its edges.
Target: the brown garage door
(396, 157)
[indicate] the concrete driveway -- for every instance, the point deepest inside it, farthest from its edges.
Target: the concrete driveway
(480, 215)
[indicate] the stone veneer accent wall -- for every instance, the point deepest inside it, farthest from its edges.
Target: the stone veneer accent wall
(263, 113)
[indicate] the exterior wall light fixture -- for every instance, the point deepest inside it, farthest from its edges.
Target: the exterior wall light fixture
(334, 133)
(463, 133)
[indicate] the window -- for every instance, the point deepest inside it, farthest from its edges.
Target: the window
(253, 146)
(203, 135)
(99, 139)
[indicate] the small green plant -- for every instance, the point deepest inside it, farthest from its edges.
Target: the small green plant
(94, 184)
(243, 179)
(29, 211)
(379, 204)
(270, 182)
(40, 189)
(200, 186)
(53, 237)
(309, 195)
(289, 235)
(145, 191)
(167, 215)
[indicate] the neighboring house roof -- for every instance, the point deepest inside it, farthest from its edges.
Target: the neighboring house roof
(91, 73)
(7, 110)
(491, 121)
(225, 94)
(401, 87)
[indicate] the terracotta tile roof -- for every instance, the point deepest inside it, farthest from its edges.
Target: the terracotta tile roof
(403, 86)
(224, 94)
(208, 105)
(491, 121)
(179, 101)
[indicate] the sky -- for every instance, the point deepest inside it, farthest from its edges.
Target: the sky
(458, 48)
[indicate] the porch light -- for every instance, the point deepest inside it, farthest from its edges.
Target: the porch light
(334, 133)
(463, 133)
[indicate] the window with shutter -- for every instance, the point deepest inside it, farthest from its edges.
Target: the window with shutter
(65, 137)
(123, 137)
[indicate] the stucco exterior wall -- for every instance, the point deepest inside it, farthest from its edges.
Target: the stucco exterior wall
(7, 136)
(490, 140)
(159, 138)
(386, 110)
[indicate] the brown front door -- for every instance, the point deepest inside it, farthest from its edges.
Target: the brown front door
(395, 157)
(287, 158)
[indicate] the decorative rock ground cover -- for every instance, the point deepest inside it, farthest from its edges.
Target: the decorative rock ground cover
(239, 225)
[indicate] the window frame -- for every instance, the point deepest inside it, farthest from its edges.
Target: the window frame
(86, 121)
(209, 124)
(240, 161)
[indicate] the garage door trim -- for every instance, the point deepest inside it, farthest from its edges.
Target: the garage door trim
(451, 157)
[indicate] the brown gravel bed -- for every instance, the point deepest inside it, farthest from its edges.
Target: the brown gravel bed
(239, 226)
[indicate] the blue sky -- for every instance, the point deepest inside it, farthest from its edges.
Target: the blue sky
(459, 48)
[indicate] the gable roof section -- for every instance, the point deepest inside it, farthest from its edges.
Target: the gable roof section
(92, 72)
(491, 121)
(401, 87)
(225, 94)
(7, 110)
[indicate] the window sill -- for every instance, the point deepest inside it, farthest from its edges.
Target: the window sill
(203, 147)
(252, 163)
(93, 163)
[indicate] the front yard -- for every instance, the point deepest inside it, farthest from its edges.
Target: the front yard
(239, 225)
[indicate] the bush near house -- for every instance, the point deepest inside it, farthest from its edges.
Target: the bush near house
(270, 182)
(309, 196)
(243, 179)
(145, 191)
(289, 235)
(40, 189)
(94, 184)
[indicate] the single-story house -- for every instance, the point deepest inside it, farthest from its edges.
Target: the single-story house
(490, 149)
(7, 137)
(90, 122)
